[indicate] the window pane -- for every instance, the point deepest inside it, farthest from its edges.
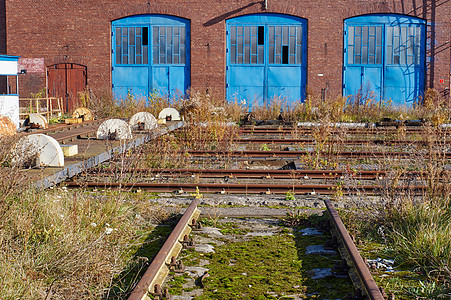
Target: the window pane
(271, 35)
(176, 45)
(378, 55)
(233, 54)
(261, 55)
(131, 54)
(292, 45)
(145, 55)
(357, 59)
(371, 45)
(233, 35)
(118, 55)
(389, 55)
(182, 53)
(169, 54)
(299, 54)
(364, 35)
(169, 35)
(254, 44)
(358, 30)
(131, 35)
(271, 54)
(351, 35)
(247, 54)
(162, 49)
(155, 36)
(247, 35)
(118, 36)
(357, 45)
(403, 56)
(278, 30)
(285, 35)
(389, 38)
(240, 45)
(299, 35)
(139, 60)
(364, 55)
(378, 35)
(182, 36)
(156, 54)
(278, 45)
(138, 45)
(254, 59)
(350, 54)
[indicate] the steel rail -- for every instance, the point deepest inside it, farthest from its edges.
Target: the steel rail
(367, 280)
(274, 174)
(332, 141)
(158, 269)
(295, 154)
(251, 188)
(58, 127)
(289, 131)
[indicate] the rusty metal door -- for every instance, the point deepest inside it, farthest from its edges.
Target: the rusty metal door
(66, 80)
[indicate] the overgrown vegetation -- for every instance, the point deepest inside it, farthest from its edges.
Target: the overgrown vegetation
(414, 230)
(75, 244)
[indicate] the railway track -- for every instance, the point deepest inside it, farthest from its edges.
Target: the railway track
(152, 284)
(251, 188)
(288, 141)
(284, 130)
(298, 154)
(268, 174)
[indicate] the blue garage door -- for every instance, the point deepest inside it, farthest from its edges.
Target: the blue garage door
(150, 55)
(384, 55)
(266, 58)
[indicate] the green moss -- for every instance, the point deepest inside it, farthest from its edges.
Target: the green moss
(272, 267)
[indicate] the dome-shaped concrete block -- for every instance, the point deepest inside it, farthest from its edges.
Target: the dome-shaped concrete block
(143, 121)
(37, 119)
(114, 129)
(39, 150)
(169, 114)
(82, 112)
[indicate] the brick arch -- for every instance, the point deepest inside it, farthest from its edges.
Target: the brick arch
(160, 9)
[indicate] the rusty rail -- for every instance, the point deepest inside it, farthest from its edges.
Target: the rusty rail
(158, 269)
(270, 174)
(367, 280)
(334, 141)
(224, 188)
(295, 154)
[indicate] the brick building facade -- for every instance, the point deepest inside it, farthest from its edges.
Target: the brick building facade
(46, 33)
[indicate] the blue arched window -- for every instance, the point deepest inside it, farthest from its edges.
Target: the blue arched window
(266, 58)
(384, 54)
(150, 53)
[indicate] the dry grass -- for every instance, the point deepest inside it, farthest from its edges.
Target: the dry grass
(65, 244)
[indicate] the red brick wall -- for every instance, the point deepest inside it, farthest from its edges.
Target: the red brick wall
(79, 31)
